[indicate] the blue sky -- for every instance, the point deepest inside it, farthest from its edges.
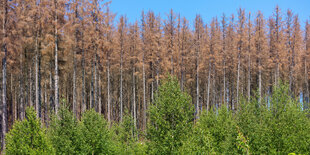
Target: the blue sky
(207, 8)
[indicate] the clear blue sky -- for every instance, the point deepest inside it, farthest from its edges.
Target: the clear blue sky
(207, 8)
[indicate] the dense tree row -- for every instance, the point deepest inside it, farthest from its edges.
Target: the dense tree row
(76, 52)
(278, 126)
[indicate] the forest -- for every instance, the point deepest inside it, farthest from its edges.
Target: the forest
(77, 80)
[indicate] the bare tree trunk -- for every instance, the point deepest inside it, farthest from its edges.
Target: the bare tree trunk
(224, 79)
(144, 99)
(91, 90)
(74, 106)
(99, 87)
(45, 106)
(13, 97)
(21, 93)
(182, 71)
(30, 87)
(109, 98)
(197, 85)
(208, 89)
(83, 79)
(121, 85)
(96, 84)
(249, 78)
(249, 60)
(37, 93)
(134, 97)
(4, 104)
(15, 105)
(238, 80)
(74, 109)
(260, 80)
(56, 62)
(306, 80)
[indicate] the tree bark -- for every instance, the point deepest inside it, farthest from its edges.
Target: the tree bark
(144, 89)
(4, 63)
(83, 79)
(56, 62)
(208, 89)
(109, 98)
(121, 81)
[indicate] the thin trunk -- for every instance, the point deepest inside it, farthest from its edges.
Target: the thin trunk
(30, 87)
(37, 104)
(182, 72)
(96, 85)
(45, 106)
(21, 93)
(144, 99)
(121, 85)
(197, 86)
(56, 62)
(249, 77)
(99, 100)
(134, 97)
(224, 79)
(4, 106)
(208, 89)
(83, 79)
(249, 60)
(74, 106)
(238, 79)
(109, 98)
(306, 80)
(91, 97)
(51, 90)
(74, 109)
(15, 105)
(260, 80)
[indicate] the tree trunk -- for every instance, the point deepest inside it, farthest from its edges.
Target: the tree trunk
(99, 100)
(4, 105)
(134, 97)
(208, 89)
(121, 85)
(96, 84)
(74, 107)
(91, 90)
(109, 98)
(56, 62)
(37, 93)
(238, 80)
(30, 87)
(197, 86)
(74, 83)
(306, 81)
(260, 80)
(144, 99)
(83, 79)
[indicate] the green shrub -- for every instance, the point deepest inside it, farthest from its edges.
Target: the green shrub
(125, 136)
(65, 133)
(277, 126)
(171, 119)
(28, 137)
(96, 134)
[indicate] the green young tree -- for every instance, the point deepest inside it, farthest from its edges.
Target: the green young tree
(27, 137)
(214, 132)
(96, 133)
(125, 137)
(275, 126)
(65, 133)
(171, 118)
